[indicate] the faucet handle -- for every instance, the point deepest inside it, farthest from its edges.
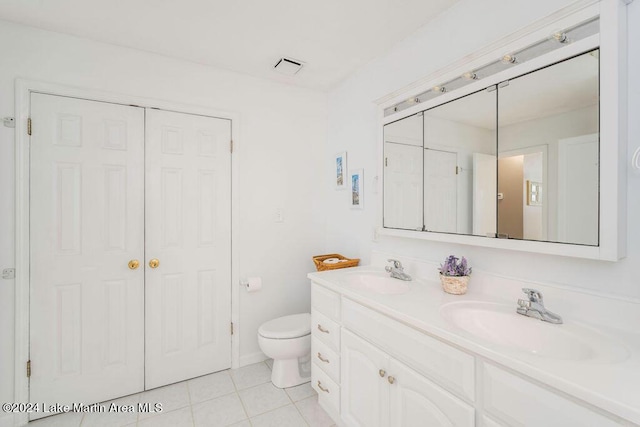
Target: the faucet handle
(396, 263)
(533, 294)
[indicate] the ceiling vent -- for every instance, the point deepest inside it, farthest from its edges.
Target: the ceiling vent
(288, 66)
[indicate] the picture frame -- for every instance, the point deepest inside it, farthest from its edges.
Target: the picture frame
(340, 171)
(356, 184)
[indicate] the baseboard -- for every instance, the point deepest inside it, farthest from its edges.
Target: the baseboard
(249, 359)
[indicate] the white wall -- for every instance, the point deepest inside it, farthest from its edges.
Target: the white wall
(457, 32)
(281, 152)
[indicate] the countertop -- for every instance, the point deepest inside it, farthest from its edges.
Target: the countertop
(611, 386)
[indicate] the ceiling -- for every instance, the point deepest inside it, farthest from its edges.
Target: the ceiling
(332, 37)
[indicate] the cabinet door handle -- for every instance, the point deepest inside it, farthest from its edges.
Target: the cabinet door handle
(323, 330)
(326, 390)
(391, 379)
(322, 358)
(382, 373)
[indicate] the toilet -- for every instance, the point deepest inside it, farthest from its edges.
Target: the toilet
(287, 340)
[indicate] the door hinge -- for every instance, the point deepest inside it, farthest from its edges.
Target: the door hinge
(386, 162)
(29, 126)
(231, 328)
(28, 368)
(457, 170)
(231, 146)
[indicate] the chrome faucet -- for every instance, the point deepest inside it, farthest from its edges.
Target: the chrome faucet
(534, 307)
(396, 270)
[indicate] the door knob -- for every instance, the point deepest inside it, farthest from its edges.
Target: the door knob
(391, 379)
(154, 263)
(382, 373)
(133, 264)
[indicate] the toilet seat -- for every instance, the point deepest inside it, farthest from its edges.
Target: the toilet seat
(287, 327)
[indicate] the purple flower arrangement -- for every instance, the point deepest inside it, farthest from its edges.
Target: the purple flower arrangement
(454, 267)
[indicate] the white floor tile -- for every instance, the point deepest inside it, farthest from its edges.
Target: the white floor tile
(210, 386)
(172, 397)
(179, 418)
(300, 392)
(287, 416)
(263, 398)
(222, 411)
(70, 419)
(313, 413)
(251, 375)
(245, 423)
(114, 419)
(269, 363)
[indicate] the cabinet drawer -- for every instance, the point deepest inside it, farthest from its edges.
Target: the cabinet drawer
(517, 402)
(326, 358)
(447, 366)
(325, 329)
(325, 301)
(328, 391)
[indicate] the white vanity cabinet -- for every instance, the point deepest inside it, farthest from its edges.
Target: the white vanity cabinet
(325, 348)
(371, 370)
(379, 391)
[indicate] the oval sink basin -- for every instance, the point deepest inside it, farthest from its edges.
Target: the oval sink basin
(501, 325)
(376, 282)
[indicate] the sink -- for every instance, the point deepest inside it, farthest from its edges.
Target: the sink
(376, 282)
(499, 324)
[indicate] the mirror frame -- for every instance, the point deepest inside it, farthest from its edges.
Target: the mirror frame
(613, 122)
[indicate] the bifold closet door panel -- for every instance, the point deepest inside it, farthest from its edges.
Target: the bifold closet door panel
(86, 227)
(188, 234)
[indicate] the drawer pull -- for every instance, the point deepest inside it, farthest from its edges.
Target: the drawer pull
(326, 390)
(391, 379)
(382, 373)
(322, 358)
(323, 330)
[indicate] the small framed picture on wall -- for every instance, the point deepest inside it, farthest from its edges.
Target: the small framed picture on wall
(340, 173)
(356, 183)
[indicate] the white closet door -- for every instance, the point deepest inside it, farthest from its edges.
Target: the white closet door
(188, 230)
(86, 222)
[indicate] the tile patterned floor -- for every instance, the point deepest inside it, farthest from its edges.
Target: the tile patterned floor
(241, 397)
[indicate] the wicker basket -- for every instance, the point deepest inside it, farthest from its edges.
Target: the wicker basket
(321, 266)
(456, 285)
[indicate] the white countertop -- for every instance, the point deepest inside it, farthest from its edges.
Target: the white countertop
(614, 387)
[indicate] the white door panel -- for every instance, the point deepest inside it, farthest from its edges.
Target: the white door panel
(188, 229)
(86, 224)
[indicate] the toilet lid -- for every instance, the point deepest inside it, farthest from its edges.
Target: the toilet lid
(294, 326)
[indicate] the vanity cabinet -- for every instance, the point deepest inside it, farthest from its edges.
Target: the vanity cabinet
(379, 391)
(371, 370)
(517, 402)
(325, 348)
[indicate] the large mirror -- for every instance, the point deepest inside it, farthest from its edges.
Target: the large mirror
(459, 165)
(549, 153)
(517, 161)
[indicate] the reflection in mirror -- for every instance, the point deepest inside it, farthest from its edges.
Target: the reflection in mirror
(460, 165)
(403, 174)
(549, 153)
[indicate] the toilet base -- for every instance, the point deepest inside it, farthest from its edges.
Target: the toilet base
(291, 372)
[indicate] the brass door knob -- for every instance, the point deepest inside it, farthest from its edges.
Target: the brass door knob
(382, 373)
(154, 263)
(391, 379)
(133, 264)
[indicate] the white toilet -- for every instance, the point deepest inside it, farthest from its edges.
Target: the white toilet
(287, 340)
